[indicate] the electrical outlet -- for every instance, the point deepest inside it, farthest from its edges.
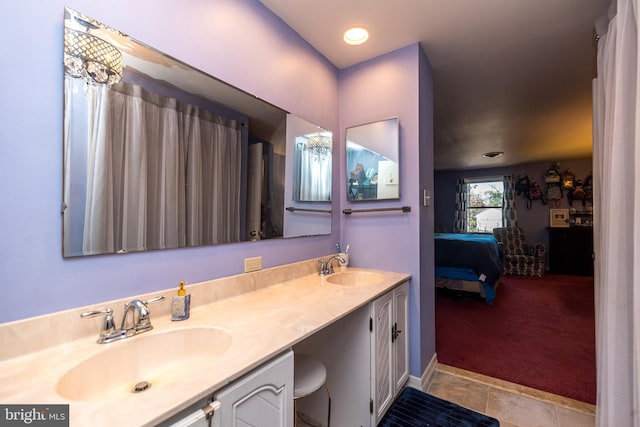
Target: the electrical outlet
(252, 264)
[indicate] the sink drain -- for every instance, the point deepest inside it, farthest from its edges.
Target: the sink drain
(141, 386)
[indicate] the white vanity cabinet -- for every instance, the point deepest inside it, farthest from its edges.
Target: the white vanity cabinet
(262, 398)
(366, 365)
(389, 349)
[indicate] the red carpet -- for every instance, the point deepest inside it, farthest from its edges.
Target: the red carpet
(540, 332)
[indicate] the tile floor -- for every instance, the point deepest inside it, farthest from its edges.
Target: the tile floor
(512, 404)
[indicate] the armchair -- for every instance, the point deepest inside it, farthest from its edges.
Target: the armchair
(517, 256)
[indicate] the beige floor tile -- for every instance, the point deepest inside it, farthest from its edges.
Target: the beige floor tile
(464, 392)
(520, 410)
(571, 418)
(520, 389)
(513, 405)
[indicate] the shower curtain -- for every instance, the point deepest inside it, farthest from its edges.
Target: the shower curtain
(159, 173)
(617, 231)
(312, 175)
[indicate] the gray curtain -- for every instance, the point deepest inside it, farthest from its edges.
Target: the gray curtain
(460, 217)
(509, 213)
(160, 173)
(213, 177)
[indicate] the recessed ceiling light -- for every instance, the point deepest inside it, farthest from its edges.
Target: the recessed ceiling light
(492, 154)
(356, 35)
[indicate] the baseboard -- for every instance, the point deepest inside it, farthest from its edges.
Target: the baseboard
(423, 382)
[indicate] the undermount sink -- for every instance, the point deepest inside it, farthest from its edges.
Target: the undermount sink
(143, 362)
(355, 278)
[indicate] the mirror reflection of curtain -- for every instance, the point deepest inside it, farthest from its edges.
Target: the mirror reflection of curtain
(213, 178)
(312, 175)
(143, 151)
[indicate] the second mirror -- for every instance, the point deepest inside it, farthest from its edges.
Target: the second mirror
(373, 164)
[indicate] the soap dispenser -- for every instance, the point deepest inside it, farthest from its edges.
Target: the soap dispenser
(181, 304)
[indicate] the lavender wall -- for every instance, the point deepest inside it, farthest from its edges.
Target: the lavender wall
(427, 252)
(378, 89)
(533, 221)
(238, 41)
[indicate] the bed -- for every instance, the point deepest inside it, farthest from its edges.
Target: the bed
(467, 262)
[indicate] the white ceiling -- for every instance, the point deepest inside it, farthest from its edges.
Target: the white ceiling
(509, 75)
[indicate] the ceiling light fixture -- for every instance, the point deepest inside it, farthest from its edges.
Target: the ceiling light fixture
(89, 57)
(319, 145)
(356, 35)
(492, 154)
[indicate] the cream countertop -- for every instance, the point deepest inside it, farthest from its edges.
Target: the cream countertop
(262, 323)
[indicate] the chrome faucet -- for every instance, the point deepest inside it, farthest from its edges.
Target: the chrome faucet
(137, 313)
(135, 320)
(326, 266)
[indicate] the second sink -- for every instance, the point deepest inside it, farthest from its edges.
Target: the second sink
(355, 278)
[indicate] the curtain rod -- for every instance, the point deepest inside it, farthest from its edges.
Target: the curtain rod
(404, 209)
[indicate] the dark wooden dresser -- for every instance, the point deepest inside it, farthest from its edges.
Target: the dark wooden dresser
(571, 250)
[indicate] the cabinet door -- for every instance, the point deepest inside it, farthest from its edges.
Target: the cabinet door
(389, 349)
(571, 250)
(400, 341)
(382, 387)
(263, 398)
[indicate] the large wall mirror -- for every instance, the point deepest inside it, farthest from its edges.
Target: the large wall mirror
(373, 161)
(160, 155)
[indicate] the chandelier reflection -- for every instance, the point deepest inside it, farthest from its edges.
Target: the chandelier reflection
(319, 146)
(91, 58)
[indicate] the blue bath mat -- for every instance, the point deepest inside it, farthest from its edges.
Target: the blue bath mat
(414, 408)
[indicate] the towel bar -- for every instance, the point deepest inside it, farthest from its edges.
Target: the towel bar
(293, 209)
(404, 209)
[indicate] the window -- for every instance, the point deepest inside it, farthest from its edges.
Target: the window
(484, 205)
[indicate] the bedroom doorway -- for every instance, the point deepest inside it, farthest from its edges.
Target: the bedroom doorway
(534, 218)
(538, 333)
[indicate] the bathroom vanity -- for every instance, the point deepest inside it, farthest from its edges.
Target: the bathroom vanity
(240, 333)
(263, 397)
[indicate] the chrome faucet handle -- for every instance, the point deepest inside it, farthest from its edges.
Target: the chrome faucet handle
(95, 313)
(144, 319)
(155, 299)
(323, 267)
(108, 332)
